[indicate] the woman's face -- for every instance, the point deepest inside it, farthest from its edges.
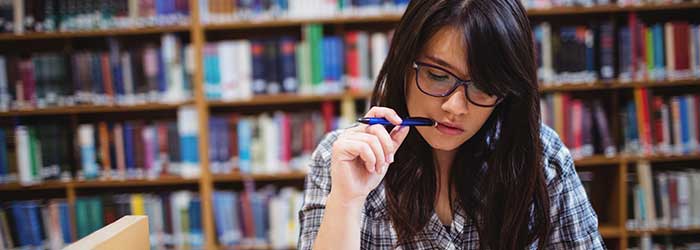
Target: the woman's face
(458, 119)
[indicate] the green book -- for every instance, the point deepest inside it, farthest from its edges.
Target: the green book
(34, 154)
(649, 51)
(81, 218)
(303, 62)
(96, 217)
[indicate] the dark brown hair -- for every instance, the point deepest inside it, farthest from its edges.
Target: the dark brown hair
(497, 174)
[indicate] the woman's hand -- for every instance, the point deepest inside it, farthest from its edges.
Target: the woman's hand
(361, 156)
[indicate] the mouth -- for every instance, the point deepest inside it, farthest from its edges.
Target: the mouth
(449, 129)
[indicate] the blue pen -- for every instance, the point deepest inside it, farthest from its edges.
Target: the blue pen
(411, 121)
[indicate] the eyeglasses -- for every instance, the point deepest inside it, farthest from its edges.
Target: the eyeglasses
(438, 82)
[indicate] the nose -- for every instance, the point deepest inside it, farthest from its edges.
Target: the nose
(456, 103)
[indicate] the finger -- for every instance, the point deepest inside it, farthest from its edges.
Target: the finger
(384, 138)
(374, 143)
(398, 135)
(384, 112)
(362, 150)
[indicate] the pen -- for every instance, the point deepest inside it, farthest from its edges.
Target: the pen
(410, 121)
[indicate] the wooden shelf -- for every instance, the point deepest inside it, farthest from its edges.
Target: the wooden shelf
(283, 99)
(608, 231)
(93, 33)
(46, 185)
(597, 160)
(664, 231)
(344, 19)
(610, 8)
(260, 177)
(667, 158)
(272, 23)
(162, 181)
(618, 85)
(81, 109)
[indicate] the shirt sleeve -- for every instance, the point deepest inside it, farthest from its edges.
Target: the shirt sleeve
(317, 186)
(574, 222)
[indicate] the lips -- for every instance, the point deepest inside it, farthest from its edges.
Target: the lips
(449, 129)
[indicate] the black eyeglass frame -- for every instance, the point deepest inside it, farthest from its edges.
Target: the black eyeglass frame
(459, 82)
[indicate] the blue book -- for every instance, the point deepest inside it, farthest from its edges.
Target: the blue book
(257, 48)
(625, 53)
(96, 73)
(19, 214)
(129, 147)
(223, 143)
(212, 76)
(590, 54)
(162, 78)
(34, 222)
(339, 59)
(116, 66)
(272, 77)
(219, 215)
(160, 7)
(658, 34)
(685, 123)
(326, 60)
(195, 214)
(4, 161)
(64, 215)
(245, 137)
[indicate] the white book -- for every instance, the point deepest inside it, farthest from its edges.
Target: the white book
(127, 79)
(662, 179)
(665, 146)
(278, 222)
(692, 124)
(379, 52)
(86, 142)
(55, 234)
(179, 202)
(547, 65)
(19, 16)
(271, 143)
(670, 54)
(364, 60)
(695, 199)
(646, 183)
(170, 49)
(188, 127)
(245, 70)
(4, 89)
(228, 70)
(683, 200)
(23, 156)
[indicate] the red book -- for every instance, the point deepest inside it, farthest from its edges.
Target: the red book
(162, 131)
(566, 136)
(139, 159)
(308, 136)
(657, 120)
(26, 69)
(352, 59)
(328, 109)
(681, 45)
(646, 122)
(107, 75)
(103, 137)
(576, 127)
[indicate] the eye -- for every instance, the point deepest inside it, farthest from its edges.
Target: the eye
(438, 76)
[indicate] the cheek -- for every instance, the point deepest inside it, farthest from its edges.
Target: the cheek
(419, 104)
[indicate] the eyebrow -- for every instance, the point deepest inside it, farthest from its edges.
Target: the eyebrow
(447, 65)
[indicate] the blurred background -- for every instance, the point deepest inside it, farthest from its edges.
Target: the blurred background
(203, 114)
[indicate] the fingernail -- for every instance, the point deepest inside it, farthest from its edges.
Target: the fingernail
(398, 117)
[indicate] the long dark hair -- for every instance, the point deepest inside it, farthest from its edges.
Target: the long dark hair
(497, 174)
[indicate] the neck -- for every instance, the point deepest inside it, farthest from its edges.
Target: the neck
(443, 164)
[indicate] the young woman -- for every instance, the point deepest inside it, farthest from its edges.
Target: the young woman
(488, 176)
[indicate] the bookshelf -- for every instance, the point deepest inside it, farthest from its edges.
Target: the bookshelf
(613, 229)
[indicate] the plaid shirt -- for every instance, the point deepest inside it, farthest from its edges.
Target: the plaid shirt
(574, 223)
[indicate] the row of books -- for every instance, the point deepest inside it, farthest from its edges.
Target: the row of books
(663, 199)
(649, 243)
(103, 150)
(655, 124)
(222, 11)
(582, 124)
(268, 143)
(20, 16)
(240, 69)
(545, 4)
(115, 76)
(639, 52)
(266, 217)
(35, 225)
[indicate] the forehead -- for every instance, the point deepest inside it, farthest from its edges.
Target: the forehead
(447, 45)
